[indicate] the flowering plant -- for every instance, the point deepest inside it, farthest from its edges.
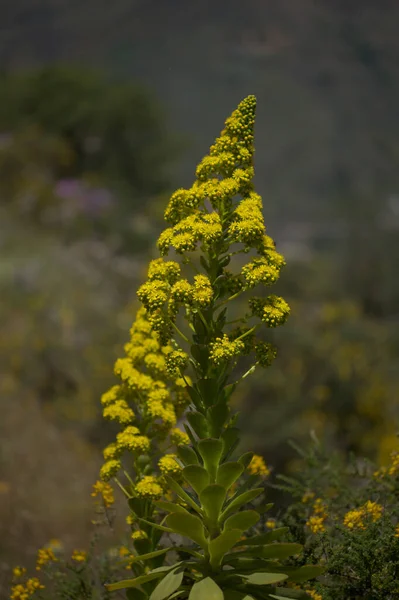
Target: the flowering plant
(187, 353)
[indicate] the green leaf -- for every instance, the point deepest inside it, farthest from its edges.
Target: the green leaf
(187, 455)
(263, 508)
(197, 477)
(275, 551)
(154, 525)
(264, 538)
(169, 506)
(245, 459)
(181, 493)
(136, 594)
(217, 415)
(199, 424)
(242, 520)
(189, 526)
(206, 589)
(211, 450)
(133, 583)
(137, 505)
(240, 500)
(265, 578)
(209, 388)
(218, 547)
(228, 473)
(212, 499)
(230, 437)
(169, 584)
(200, 353)
(306, 572)
(149, 555)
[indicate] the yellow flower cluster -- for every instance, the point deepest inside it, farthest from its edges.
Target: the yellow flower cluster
(316, 521)
(223, 349)
(24, 592)
(355, 519)
(148, 487)
(100, 488)
(178, 437)
(168, 464)
(18, 572)
(150, 382)
(257, 466)
(44, 556)
(272, 311)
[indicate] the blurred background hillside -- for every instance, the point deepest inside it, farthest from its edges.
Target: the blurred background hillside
(105, 109)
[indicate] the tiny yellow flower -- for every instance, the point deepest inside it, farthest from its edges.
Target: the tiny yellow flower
(139, 535)
(316, 524)
(257, 466)
(270, 523)
(79, 555)
(100, 488)
(18, 571)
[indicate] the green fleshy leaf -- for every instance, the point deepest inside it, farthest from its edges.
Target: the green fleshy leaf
(219, 546)
(275, 551)
(209, 388)
(154, 525)
(181, 493)
(206, 589)
(264, 538)
(169, 584)
(249, 564)
(306, 572)
(169, 506)
(212, 498)
(211, 450)
(217, 415)
(265, 578)
(230, 437)
(136, 594)
(245, 459)
(197, 477)
(189, 526)
(149, 555)
(228, 474)
(198, 423)
(137, 505)
(242, 520)
(200, 353)
(133, 583)
(187, 455)
(239, 501)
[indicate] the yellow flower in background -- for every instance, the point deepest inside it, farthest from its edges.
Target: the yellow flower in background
(307, 496)
(79, 555)
(103, 489)
(257, 466)
(44, 556)
(18, 571)
(397, 531)
(354, 519)
(139, 534)
(270, 523)
(178, 437)
(316, 523)
(313, 594)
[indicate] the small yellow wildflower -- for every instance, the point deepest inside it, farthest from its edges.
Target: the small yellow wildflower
(354, 519)
(79, 555)
(307, 496)
(18, 571)
(397, 531)
(319, 507)
(44, 556)
(130, 520)
(123, 551)
(139, 534)
(106, 492)
(270, 523)
(316, 524)
(313, 594)
(148, 487)
(257, 466)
